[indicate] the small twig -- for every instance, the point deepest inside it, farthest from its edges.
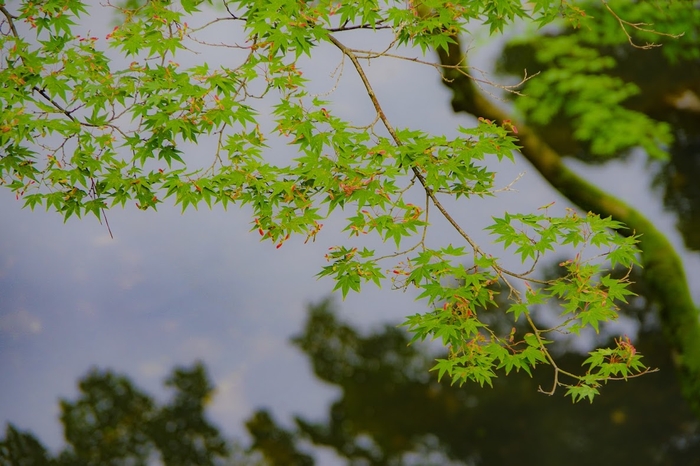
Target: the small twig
(213, 21)
(639, 27)
(368, 54)
(109, 229)
(377, 26)
(338, 73)
(648, 370)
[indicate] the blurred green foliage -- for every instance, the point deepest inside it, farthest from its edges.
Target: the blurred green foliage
(390, 411)
(112, 422)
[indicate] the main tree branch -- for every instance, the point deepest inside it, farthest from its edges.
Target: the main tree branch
(500, 271)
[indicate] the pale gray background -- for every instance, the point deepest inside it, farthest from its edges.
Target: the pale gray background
(173, 288)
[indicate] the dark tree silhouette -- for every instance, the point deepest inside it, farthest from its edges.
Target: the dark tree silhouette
(114, 423)
(391, 411)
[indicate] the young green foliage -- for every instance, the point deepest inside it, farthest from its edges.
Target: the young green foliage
(92, 122)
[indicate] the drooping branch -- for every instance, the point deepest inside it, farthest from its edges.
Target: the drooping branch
(501, 272)
(663, 268)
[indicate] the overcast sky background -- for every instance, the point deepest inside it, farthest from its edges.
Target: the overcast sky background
(173, 288)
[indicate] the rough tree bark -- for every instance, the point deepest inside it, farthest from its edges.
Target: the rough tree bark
(663, 268)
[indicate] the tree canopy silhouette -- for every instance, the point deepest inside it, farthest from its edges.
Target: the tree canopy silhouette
(391, 411)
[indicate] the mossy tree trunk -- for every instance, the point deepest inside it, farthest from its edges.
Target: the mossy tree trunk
(663, 268)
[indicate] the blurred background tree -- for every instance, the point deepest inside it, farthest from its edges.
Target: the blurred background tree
(666, 80)
(114, 423)
(391, 411)
(626, 82)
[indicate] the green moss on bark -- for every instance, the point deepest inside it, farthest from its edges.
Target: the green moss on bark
(663, 268)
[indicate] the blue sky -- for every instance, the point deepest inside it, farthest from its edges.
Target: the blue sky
(171, 288)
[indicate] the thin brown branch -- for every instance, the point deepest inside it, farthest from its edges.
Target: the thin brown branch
(639, 27)
(440, 67)
(500, 271)
(392, 132)
(343, 28)
(648, 370)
